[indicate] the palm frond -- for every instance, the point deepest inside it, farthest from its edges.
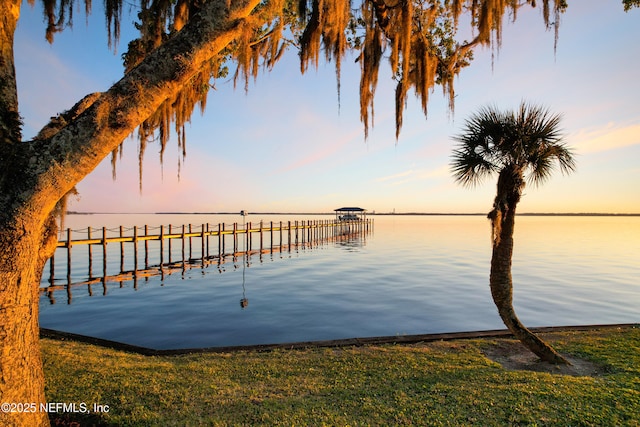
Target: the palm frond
(470, 169)
(547, 158)
(530, 138)
(476, 155)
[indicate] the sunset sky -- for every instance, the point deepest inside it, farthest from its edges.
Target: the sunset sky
(286, 146)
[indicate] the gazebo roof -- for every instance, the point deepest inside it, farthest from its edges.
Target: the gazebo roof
(350, 209)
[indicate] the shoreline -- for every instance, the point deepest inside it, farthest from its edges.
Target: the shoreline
(347, 342)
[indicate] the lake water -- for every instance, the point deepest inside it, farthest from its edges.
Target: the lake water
(411, 275)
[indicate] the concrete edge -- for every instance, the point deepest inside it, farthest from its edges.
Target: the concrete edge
(349, 342)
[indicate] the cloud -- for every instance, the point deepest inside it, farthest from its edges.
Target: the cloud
(412, 175)
(395, 176)
(604, 139)
(323, 140)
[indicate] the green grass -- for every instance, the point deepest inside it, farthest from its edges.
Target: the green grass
(435, 384)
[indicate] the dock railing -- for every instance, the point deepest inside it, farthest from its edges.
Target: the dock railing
(197, 246)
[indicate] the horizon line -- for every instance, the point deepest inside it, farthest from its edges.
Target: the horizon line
(372, 213)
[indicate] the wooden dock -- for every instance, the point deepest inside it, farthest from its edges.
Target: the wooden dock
(176, 248)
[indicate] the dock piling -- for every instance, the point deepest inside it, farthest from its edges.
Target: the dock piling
(299, 234)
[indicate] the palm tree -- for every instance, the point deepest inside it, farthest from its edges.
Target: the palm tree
(519, 146)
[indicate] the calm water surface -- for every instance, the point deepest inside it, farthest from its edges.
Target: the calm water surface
(412, 275)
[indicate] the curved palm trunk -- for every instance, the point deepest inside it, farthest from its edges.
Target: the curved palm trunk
(500, 280)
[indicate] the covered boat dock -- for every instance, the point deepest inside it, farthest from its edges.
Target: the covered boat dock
(350, 214)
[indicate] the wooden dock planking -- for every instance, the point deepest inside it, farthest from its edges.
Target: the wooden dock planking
(292, 234)
(208, 233)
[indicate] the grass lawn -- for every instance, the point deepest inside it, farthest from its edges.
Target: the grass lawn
(433, 384)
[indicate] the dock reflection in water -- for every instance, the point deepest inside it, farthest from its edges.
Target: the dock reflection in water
(292, 236)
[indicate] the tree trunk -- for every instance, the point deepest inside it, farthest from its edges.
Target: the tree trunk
(25, 245)
(500, 280)
(34, 175)
(9, 117)
(22, 257)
